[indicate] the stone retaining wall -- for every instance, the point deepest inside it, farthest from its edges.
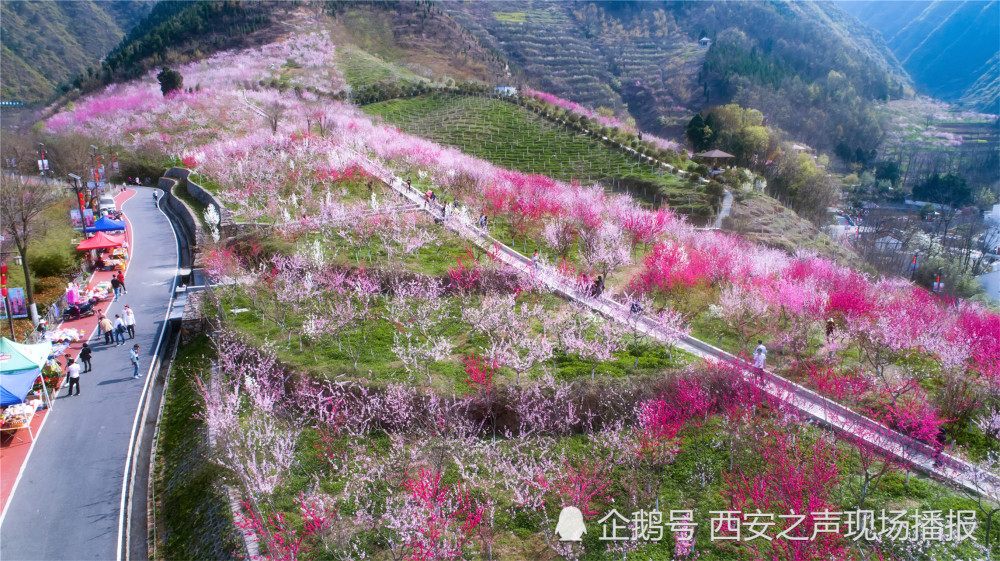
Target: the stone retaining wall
(190, 224)
(206, 198)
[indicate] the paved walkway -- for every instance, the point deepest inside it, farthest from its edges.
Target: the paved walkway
(67, 501)
(808, 403)
(727, 207)
(15, 446)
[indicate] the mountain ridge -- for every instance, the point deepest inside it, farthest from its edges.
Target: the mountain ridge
(46, 43)
(948, 48)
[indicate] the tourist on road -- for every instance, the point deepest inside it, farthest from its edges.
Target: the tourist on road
(104, 326)
(116, 286)
(73, 375)
(759, 355)
(830, 328)
(156, 199)
(119, 330)
(534, 260)
(85, 354)
(133, 355)
(121, 279)
(129, 321)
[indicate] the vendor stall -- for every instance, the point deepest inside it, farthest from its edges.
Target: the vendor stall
(106, 224)
(20, 366)
(101, 242)
(19, 416)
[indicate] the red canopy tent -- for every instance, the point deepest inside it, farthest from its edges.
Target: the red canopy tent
(100, 241)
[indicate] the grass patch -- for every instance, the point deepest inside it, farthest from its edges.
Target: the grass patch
(180, 191)
(510, 17)
(332, 358)
(364, 69)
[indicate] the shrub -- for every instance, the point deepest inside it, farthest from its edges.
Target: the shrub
(170, 80)
(51, 264)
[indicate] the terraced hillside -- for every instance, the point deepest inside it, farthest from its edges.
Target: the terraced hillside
(543, 41)
(406, 43)
(801, 63)
(512, 137)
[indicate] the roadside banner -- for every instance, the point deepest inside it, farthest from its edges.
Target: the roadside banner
(88, 216)
(18, 305)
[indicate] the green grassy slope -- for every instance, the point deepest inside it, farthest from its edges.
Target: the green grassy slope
(512, 137)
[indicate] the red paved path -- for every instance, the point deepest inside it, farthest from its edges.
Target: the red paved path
(15, 446)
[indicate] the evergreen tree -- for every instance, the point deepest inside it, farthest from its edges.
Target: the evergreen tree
(170, 80)
(945, 189)
(698, 133)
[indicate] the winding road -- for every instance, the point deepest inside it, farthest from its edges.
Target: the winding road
(67, 502)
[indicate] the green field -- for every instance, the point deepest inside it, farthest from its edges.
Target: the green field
(515, 138)
(361, 68)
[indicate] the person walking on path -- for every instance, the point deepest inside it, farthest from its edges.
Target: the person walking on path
(119, 330)
(598, 288)
(129, 321)
(104, 326)
(133, 355)
(73, 375)
(121, 279)
(534, 260)
(116, 285)
(85, 354)
(759, 355)
(831, 326)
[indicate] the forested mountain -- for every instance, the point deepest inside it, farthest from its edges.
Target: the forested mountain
(810, 68)
(949, 48)
(176, 32)
(46, 43)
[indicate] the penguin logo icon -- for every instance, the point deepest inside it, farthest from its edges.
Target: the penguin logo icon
(570, 527)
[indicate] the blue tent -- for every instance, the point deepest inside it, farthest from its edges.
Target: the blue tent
(20, 366)
(105, 224)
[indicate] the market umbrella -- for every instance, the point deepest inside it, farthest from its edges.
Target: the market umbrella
(100, 241)
(20, 366)
(106, 224)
